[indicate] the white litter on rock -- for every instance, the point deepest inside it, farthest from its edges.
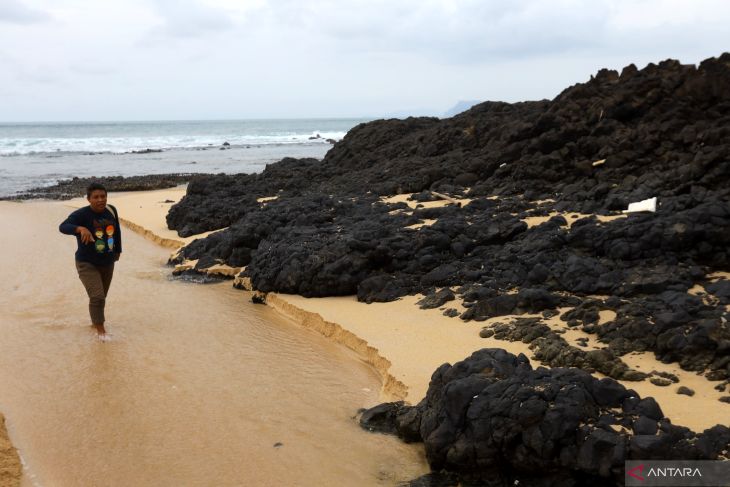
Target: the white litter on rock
(599, 163)
(503, 164)
(645, 205)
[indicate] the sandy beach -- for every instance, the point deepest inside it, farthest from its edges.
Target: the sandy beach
(10, 468)
(196, 386)
(423, 245)
(400, 342)
(405, 344)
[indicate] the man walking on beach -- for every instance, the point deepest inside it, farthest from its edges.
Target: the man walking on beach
(99, 241)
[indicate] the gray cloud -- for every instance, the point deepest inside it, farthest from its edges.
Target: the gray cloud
(15, 12)
(303, 58)
(467, 31)
(482, 31)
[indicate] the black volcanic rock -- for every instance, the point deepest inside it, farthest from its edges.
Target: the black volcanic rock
(75, 187)
(721, 290)
(436, 299)
(619, 138)
(494, 420)
(661, 132)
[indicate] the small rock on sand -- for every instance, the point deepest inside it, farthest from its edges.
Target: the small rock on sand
(486, 333)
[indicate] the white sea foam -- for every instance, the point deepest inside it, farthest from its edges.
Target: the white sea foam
(119, 145)
(39, 154)
(121, 137)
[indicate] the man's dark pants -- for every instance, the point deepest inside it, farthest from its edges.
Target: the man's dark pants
(96, 279)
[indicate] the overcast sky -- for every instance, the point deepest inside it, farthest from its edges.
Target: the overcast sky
(221, 59)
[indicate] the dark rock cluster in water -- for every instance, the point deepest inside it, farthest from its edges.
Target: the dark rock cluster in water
(663, 131)
(75, 187)
(493, 420)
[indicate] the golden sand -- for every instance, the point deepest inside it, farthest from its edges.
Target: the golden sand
(405, 344)
(570, 216)
(10, 468)
(196, 385)
(426, 223)
(703, 410)
(404, 198)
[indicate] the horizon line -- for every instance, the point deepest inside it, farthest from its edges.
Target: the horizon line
(190, 120)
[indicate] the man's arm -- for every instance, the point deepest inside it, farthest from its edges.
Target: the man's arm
(72, 226)
(69, 225)
(118, 246)
(118, 235)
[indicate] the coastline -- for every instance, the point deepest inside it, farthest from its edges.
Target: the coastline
(581, 241)
(233, 375)
(402, 343)
(405, 344)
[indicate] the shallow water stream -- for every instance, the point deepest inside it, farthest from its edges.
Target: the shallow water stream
(196, 387)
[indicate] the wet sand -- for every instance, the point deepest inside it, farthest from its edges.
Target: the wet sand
(10, 468)
(405, 344)
(400, 342)
(197, 386)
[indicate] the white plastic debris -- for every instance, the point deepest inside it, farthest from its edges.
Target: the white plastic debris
(599, 163)
(645, 205)
(503, 164)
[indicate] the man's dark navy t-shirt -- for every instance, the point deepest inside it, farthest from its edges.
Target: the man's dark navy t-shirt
(105, 229)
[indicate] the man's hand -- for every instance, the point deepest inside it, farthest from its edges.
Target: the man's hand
(116, 256)
(86, 236)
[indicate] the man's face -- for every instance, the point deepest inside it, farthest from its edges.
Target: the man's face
(97, 200)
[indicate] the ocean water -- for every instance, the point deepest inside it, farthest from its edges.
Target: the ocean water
(40, 154)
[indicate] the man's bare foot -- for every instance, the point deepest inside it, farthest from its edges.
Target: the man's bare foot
(101, 332)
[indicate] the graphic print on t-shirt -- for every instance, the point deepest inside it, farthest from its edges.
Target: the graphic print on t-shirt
(102, 227)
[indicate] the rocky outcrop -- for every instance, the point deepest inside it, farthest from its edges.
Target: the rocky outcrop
(597, 147)
(75, 187)
(660, 131)
(494, 420)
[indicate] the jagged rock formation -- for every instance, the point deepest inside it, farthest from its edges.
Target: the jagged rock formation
(619, 138)
(494, 420)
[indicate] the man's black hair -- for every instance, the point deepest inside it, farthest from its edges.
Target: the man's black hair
(94, 187)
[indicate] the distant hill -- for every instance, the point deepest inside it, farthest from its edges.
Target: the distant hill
(415, 112)
(461, 106)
